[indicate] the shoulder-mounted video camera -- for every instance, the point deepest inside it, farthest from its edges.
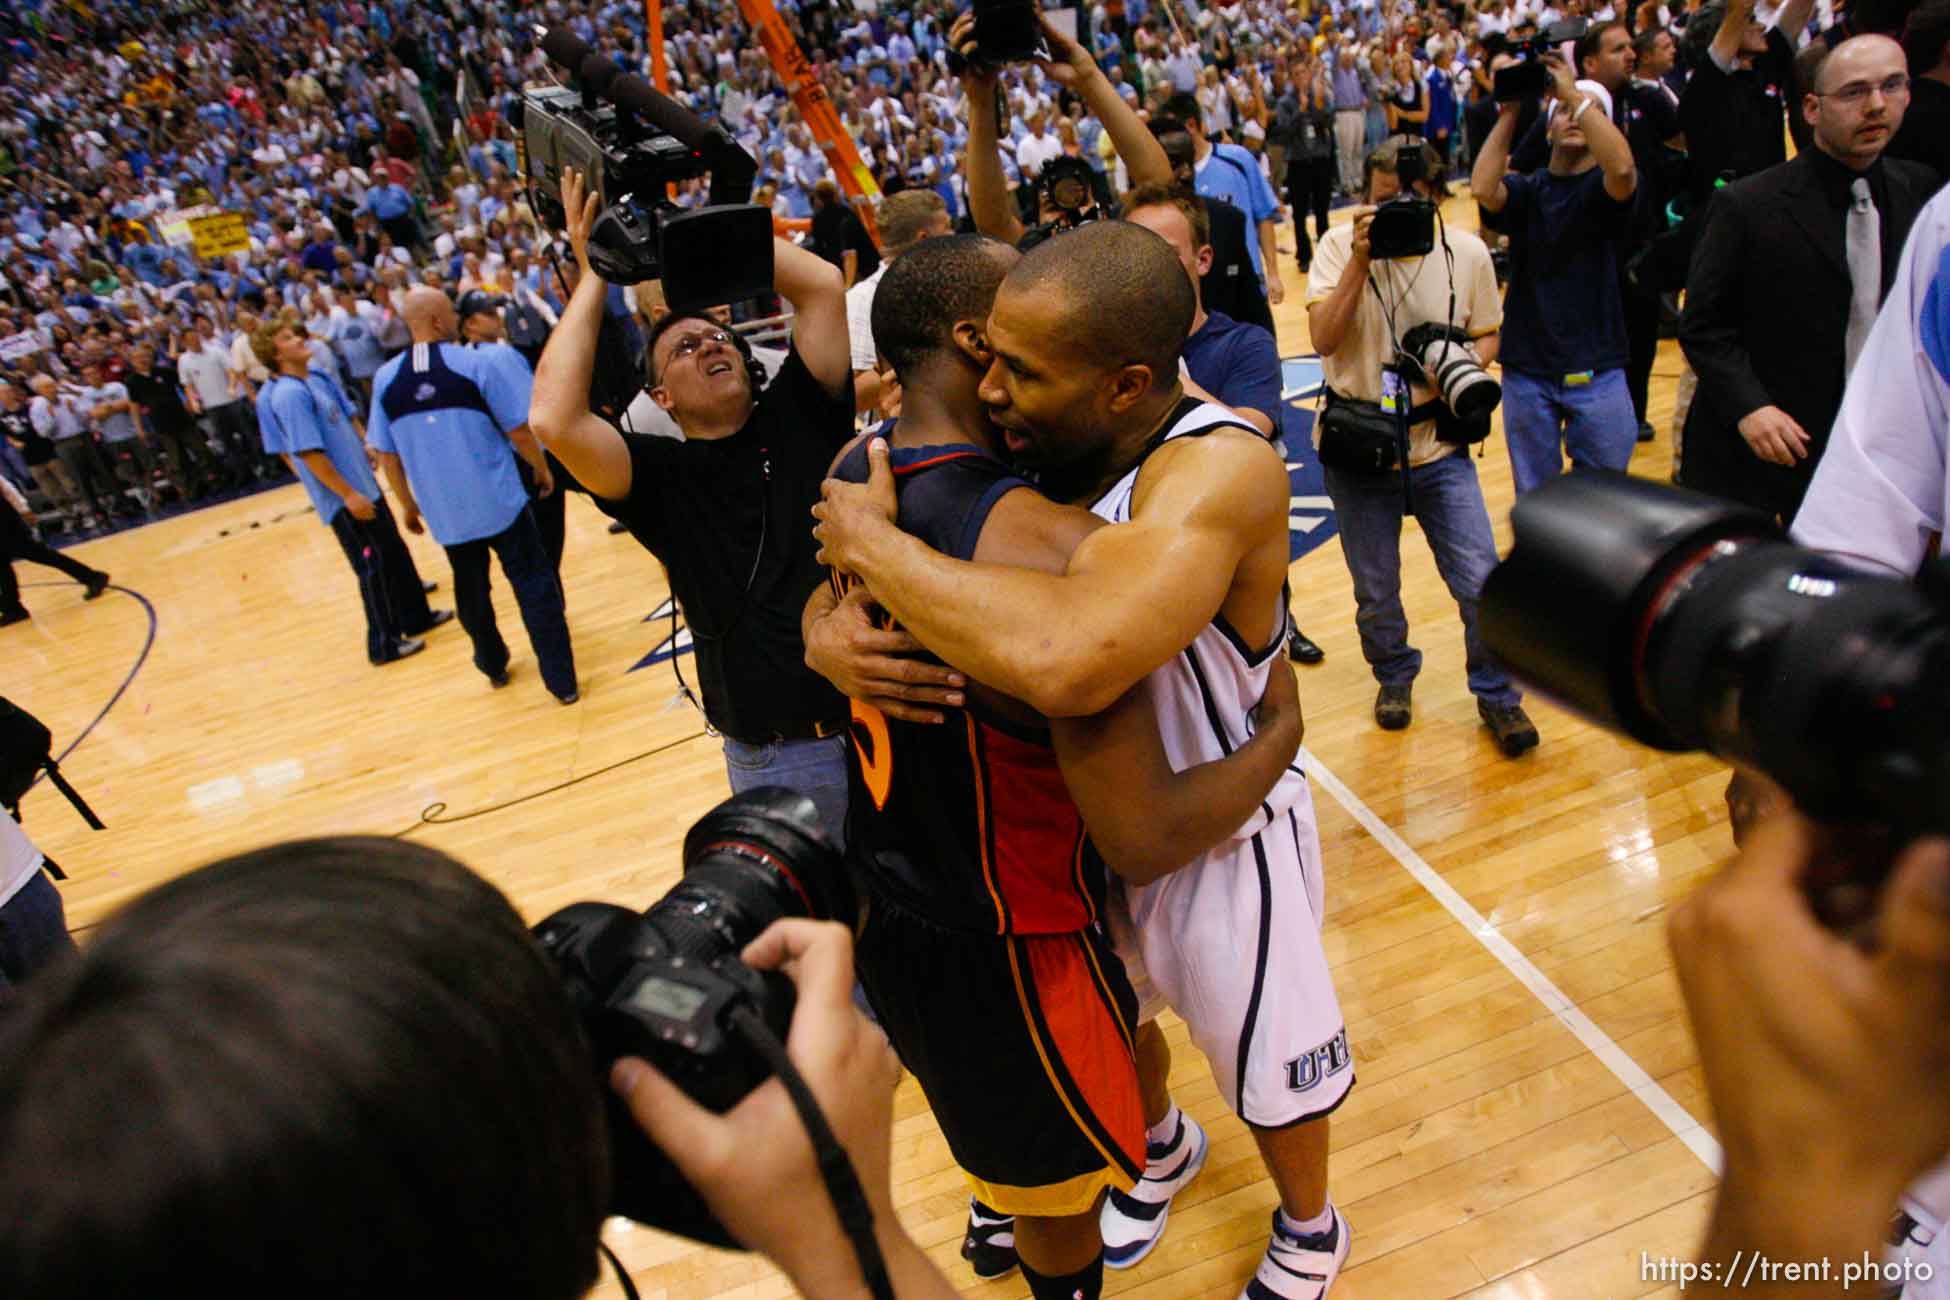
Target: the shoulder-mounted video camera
(1530, 78)
(632, 143)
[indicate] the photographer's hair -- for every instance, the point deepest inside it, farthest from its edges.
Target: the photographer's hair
(927, 291)
(1384, 157)
(1157, 194)
(334, 1067)
(904, 216)
(1591, 42)
(1127, 282)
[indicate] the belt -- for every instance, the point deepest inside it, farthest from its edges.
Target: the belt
(797, 731)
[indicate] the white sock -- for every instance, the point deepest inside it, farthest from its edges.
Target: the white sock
(1166, 1128)
(1309, 1227)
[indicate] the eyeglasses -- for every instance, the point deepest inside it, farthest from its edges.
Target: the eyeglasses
(691, 344)
(1856, 92)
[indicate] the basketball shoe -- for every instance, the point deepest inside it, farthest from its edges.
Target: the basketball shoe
(1134, 1221)
(1297, 1267)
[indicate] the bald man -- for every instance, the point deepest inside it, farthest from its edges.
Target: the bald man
(446, 422)
(1788, 279)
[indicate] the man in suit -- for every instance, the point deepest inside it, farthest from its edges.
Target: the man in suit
(1788, 279)
(1231, 286)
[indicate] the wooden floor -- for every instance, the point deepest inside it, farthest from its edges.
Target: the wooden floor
(1488, 1150)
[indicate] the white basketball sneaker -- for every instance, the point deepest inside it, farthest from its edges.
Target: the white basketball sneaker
(1300, 1268)
(1134, 1221)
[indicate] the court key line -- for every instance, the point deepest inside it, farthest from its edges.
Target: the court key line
(1628, 1072)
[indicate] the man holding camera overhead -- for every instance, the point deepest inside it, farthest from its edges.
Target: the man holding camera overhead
(1358, 308)
(724, 510)
(1564, 369)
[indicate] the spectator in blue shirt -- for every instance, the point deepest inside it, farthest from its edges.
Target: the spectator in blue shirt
(1564, 349)
(1225, 171)
(446, 421)
(393, 207)
(309, 421)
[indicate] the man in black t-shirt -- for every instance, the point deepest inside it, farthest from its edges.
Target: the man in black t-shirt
(727, 509)
(839, 236)
(158, 397)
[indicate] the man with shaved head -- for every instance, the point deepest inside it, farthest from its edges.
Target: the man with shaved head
(1788, 279)
(1181, 597)
(446, 422)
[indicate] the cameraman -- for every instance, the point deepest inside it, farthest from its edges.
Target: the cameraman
(359, 1075)
(1073, 69)
(1346, 297)
(1564, 384)
(725, 509)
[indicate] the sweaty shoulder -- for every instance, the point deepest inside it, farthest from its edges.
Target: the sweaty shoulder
(1229, 471)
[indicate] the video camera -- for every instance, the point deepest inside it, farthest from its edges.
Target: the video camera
(1530, 78)
(1687, 623)
(1404, 226)
(668, 985)
(631, 149)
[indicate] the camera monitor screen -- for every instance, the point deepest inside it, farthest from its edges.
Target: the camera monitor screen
(667, 998)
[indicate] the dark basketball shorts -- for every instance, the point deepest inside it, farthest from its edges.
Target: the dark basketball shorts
(1023, 1046)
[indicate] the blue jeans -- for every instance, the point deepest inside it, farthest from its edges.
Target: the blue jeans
(1449, 504)
(814, 768)
(33, 929)
(1544, 417)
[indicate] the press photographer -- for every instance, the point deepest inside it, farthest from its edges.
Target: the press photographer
(1564, 368)
(725, 510)
(436, 1125)
(1361, 309)
(1064, 196)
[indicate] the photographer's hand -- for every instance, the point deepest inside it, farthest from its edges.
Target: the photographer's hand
(879, 666)
(1824, 1057)
(579, 209)
(1070, 65)
(755, 1166)
(1564, 82)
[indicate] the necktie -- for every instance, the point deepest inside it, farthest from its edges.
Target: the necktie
(1864, 245)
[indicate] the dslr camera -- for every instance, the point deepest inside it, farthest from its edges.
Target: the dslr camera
(1404, 226)
(1688, 623)
(1068, 186)
(1530, 78)
(631, 143)
(1006, 31)
(1442, 356)
(667, 984)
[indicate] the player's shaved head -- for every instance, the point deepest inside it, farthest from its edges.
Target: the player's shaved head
(1132, 301)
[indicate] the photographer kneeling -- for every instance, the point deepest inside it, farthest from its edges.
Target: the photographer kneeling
(725, 509)
(1357, 301)
(343, 1067)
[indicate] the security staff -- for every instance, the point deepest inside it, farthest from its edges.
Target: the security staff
(483, 326)
(310, 422)
(446, 422)
(726, 509)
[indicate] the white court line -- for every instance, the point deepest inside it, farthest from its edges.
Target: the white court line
(1628, 1072)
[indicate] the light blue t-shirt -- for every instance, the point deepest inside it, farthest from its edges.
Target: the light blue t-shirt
(314, 414)
(356, 344)
(118, 426)
(445, 411)
(1232, 174)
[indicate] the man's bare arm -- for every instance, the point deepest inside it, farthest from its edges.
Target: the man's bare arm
(1071, 645)
(558, 410)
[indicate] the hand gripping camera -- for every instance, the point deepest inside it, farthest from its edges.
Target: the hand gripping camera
(668, 985)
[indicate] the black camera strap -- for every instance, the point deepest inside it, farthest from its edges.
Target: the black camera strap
(842, 1183)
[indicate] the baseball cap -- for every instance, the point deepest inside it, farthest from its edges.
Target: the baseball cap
(474, 302)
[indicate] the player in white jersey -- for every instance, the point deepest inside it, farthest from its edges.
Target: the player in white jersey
(1189, 585)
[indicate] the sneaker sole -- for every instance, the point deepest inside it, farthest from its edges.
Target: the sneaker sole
(1164, 1216)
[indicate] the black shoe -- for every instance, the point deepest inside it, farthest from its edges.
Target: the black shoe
(438, 617)
(989, 1245)
(1301, 649)
(570, 698)
(403, 650)
(96, 586)
(429, 587)
(500, 679)
(1646, 432)
(1512, 728)
(618, 526)
(13, 616)
(1392, 710)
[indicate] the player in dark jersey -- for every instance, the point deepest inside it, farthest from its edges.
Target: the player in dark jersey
(981, 945)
